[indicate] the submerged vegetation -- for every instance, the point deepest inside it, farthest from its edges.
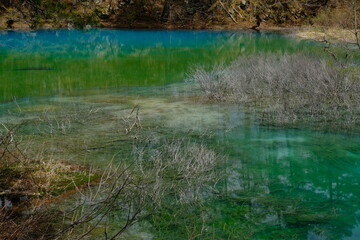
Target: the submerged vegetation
(288, 89)
(159, 171)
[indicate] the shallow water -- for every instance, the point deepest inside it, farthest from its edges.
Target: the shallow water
(77, 86)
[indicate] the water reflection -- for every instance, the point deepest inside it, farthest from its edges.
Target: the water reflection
(294, 183)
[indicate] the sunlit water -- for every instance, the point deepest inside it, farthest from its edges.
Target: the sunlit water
(280, 184)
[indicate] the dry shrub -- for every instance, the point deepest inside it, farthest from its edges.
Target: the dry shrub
(175, 171)
(286, 88)
(181, 167)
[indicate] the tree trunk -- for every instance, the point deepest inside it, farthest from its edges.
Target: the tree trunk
(166, 11)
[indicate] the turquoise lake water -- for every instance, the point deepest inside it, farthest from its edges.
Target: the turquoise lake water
(281, 183)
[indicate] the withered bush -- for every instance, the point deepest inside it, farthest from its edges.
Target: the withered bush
(287, 88)
(174, 171)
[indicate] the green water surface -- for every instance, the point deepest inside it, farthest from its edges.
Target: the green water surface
(63, 62)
